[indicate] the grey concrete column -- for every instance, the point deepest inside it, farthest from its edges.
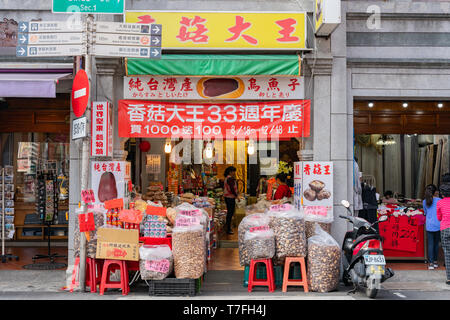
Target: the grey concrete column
(109, 86)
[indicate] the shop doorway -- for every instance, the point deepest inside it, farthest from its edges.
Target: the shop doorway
(35, 154)
(400, 148)
(152, 165)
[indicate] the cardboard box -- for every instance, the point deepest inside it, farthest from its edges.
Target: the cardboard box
(118, 244)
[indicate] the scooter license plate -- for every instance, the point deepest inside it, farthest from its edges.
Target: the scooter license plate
(374, 260)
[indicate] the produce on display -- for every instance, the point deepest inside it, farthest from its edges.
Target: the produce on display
(288, 226)
(310, 227)
(188, 245)
(260, 243)
(323, 262)
(247, 223)
(155, 262)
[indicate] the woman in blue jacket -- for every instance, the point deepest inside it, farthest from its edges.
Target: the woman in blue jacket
(432, 224)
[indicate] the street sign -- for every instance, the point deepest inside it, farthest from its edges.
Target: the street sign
(51, 50)
(79, 128)
(80, 93)
(50, 38)
(50, 26)
(127, 40)
(128, 28)
(128, 51)
(89, 6)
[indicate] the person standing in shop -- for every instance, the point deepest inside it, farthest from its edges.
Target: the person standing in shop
(283, 190)
(443, 215)
(432, 224)
(230, 194)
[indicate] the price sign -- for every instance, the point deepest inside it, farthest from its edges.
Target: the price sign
(316, 211)
(162, 265)
(259, 229)
(88, 196)
(281, 207)
(400, 233)
(191, 213)
(187, 221)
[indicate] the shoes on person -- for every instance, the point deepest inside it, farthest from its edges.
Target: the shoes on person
(436, 265)
(430, 266)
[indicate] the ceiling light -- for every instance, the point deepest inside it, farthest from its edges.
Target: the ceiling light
(440, 105)
(168, 147)
(405, 105)
(209, 150)
(251, 147)
(370, 104)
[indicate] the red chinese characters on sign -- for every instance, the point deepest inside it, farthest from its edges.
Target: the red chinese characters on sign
(317, 169)
(400, 233)
(108, 166)
(101, 142)
(259, 229)
(238, 29)
(193, 30)
(284, 119)
(316, 211)
(287, 30)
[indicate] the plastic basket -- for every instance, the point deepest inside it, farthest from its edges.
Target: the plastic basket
(261, 273)
(173, 287)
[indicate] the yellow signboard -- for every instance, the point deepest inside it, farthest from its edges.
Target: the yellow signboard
(318, 14)
(227, 30)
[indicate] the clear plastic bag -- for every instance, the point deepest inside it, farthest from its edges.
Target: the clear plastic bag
(323, 262)
(155, 262)
(288, 226)
(260, 243)
(189, 251)
(248, 222)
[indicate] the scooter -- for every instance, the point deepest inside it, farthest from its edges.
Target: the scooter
(363, 259)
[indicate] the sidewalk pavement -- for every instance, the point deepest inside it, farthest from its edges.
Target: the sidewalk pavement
(28, 284)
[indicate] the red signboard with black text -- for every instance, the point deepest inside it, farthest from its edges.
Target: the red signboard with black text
(279, 119)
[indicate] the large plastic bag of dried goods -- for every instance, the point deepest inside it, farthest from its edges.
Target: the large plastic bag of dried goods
(323, 262)
(260, 242)
(188, 247)
(288, 226)
(91, 245)
(248, 222)
(317, 215)
(188, 210)
(155, 262)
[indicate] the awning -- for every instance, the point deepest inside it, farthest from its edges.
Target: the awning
(29, 85)
(216, 65)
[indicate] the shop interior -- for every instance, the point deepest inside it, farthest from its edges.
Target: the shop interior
(400, 148)
(156, 162)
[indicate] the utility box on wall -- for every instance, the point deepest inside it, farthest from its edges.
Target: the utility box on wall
(327, 16)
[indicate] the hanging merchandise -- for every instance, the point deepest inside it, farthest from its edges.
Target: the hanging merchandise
(63, 187)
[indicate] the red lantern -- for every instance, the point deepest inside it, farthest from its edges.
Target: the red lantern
(144, 146)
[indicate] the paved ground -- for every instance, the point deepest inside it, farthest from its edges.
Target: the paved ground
(222, 285)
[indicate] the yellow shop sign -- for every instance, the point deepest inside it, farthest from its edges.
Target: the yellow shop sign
(227, 30)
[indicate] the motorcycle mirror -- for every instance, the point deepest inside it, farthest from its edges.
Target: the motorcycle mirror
(383, 218)
(345, 203)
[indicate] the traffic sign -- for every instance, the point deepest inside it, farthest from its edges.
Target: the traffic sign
(89, 6)
(50, 38)
(127, 51)
(79, 128)
(80, 93)
(51, 50)
(50, 26)
(128, 28)
(127, 40)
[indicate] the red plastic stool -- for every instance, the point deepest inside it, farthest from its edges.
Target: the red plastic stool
(93, 271)
(290, 282)
(107, 283)
(269, 281)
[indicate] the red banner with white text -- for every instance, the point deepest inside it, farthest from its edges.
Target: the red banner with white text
(274, 120)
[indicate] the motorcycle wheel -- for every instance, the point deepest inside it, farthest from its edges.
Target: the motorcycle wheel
(371, 293)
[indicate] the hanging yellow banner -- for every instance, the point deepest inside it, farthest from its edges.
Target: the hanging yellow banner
(227, 30)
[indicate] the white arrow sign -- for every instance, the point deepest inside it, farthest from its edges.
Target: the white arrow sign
(48, 38)
(51, 50)
(123, 40)
(50, 26)
(122, 51)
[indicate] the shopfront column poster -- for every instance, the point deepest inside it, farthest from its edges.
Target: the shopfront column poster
(313, 188)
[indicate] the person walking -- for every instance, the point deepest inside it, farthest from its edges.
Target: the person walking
(432, 224)
(443, 215)
(230, 194)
